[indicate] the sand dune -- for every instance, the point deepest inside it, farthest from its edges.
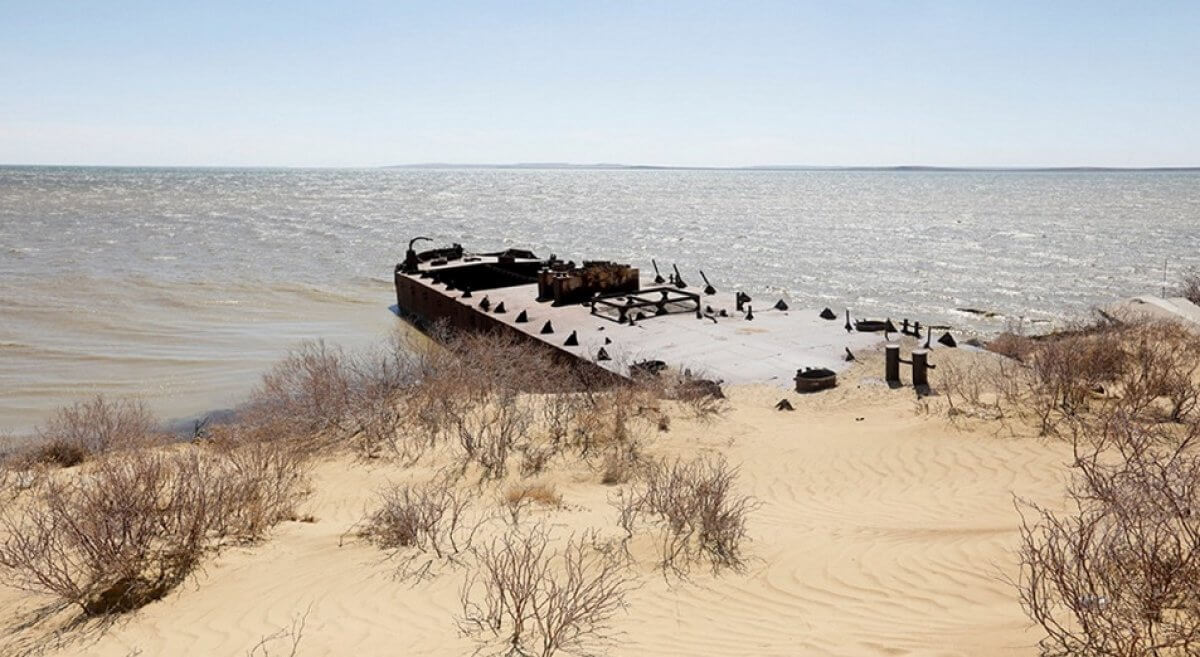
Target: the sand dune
(881, 531)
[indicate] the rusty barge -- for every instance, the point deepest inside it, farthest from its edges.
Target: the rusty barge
(612, 316)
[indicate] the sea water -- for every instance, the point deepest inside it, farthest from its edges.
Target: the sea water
(183, 285)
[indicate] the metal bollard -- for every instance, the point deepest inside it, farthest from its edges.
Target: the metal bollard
(891, 365)
(921, 367)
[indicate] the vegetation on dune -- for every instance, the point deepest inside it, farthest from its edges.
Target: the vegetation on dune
(1115, 573)
(109, 513)
(128, 527)
(528, 597)
(106, 513)
(1189, 287)
(1149, 370)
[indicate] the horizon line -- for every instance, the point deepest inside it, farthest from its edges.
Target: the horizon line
(616, 166)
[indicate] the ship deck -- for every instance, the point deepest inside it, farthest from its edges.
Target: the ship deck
(768, 349)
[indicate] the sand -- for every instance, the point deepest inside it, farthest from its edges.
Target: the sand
(882, 530)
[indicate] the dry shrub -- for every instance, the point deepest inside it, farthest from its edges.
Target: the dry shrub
(305, 395)
(526, 598)
(330, 398)
(421, 524)
(622, 464)
(11, 463)
(492, 395)
(115, 538)
(606, 422)
(93, 427)
(312, 384)
(132, 526)
(544, 494)
(59, 452)
(558, 413)
(1012, 345)
(21, 468)
(963, 386)
(617, 419)
(518, 497)
(1146, 369)
(1119, 572)
(1067, 371)
(264, 483)
(378, 414)
(288, 637)
(1013, 342)
(695, 508)
(535, 459)
(702, 397)
(471, 395)
(1189, 287)
(1163, 368)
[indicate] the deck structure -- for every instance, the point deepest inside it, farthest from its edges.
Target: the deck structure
(611, 317)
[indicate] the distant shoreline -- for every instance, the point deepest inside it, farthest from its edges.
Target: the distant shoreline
(789, 167)
(567, 166)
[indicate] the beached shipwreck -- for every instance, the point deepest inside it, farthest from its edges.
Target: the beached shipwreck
(613, 316)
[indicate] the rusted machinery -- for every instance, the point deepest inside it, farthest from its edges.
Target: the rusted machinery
(812, 379)
(565, 283)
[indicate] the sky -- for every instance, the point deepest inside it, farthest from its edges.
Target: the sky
(837, 83)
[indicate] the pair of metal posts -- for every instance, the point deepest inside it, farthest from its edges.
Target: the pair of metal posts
(919, 361)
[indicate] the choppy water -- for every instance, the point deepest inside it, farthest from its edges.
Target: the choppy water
(183, 285)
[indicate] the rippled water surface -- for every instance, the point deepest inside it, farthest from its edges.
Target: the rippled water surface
(183, 285)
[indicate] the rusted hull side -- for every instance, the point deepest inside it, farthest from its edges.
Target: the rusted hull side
(428, 308)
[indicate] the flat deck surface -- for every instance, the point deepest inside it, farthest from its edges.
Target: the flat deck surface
(768, 349)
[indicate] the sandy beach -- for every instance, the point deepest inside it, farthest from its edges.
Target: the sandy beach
(881, 529)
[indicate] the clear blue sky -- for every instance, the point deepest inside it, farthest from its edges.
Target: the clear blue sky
(1001, 83)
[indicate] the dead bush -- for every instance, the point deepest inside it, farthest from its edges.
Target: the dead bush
(263, 484)
(620, 466)
(380, 409)
(526, 598)
(695, 509)
(472, 394)
(96, 426)
(1189, 287)
(1164, 363)
(58, 452)
(288, 637)
(114, 538)
(378, 416)
(558, 413)
(702, 397)
(1011, 345)
(307, 394)
(1146, 369)
(535, 459)
(332, 399)
(128, 528)
(21, 467)
(962, 385)
(1119, 572)
(617, 419)
(518, 497)
(8, 457)
(421, 525)
(1071, 369)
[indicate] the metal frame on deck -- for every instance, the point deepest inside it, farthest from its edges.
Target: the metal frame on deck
(636, 301)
